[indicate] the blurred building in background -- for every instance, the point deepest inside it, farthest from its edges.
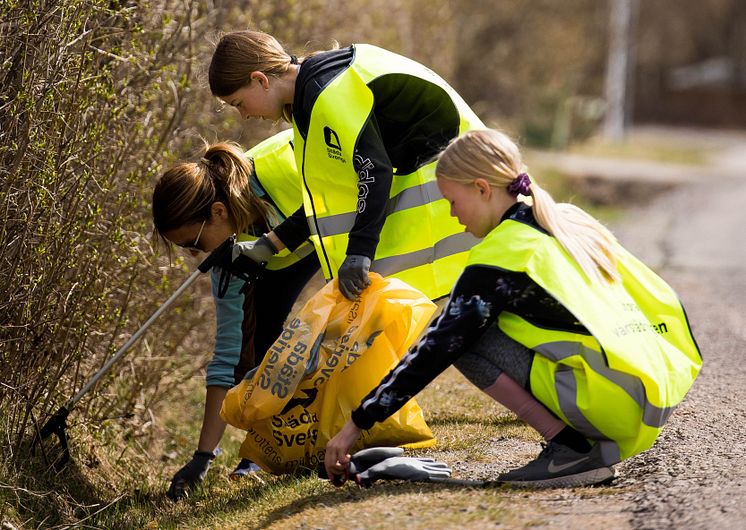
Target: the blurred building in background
(691, 63)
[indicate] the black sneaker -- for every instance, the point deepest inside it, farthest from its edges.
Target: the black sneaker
(558, 466)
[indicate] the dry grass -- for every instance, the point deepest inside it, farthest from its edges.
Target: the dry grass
(106, 488)
(475, 436)
(643, 148)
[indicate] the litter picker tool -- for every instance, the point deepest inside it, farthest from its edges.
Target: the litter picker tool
(243, 268)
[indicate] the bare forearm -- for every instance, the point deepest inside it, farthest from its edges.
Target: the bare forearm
(279, 245)
(212, 425)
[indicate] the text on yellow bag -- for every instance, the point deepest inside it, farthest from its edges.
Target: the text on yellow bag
(329, 356)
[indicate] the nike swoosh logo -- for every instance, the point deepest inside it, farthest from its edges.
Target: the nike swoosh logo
(552, 468)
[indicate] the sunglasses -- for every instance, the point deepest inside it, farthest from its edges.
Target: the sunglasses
(195, 245)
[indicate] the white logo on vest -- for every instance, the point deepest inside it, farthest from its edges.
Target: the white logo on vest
(365, 178)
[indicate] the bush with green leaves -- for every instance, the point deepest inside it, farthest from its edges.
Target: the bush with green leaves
(90, 93)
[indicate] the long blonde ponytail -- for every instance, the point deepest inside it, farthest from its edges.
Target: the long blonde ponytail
(493, 156)
(589, 242)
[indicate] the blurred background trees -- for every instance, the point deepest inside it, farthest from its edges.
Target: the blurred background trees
(97, 97)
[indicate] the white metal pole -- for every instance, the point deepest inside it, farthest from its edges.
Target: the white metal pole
(132, 340)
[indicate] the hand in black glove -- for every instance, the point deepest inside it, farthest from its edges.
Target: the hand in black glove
(404, 468)
(189, 476)
(259, 250)
(353, 275)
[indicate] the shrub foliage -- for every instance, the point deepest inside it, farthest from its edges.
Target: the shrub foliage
(90, 92)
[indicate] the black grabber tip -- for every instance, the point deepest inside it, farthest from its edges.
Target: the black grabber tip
(55, 425)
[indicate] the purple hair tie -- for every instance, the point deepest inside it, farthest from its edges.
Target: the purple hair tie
(520, 185)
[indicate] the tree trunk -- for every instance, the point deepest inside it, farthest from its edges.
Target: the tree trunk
(623, 15)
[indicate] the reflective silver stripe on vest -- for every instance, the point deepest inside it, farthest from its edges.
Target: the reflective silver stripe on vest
(567, 396)
(610, 453)
(305, 249)
(333, 225)
(652, 415)
(342, 223)
(413, 197)
(448, 246)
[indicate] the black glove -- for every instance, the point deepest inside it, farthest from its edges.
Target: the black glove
(404, 468)
(259, 250)
(353, 275)
(189, 476)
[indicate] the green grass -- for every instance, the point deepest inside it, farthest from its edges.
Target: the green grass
(563, 188)
(121, 484)
(607, 199)
(107, 489)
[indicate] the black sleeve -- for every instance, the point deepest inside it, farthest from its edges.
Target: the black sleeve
(479, 296)
(294, 230)
(375, 174)
(316, 72)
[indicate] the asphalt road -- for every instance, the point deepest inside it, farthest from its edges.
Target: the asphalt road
(695, 476)
(695, 237)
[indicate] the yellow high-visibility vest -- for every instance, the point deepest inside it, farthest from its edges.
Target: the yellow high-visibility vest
(619, 384)
(275, 170)
(420, 243)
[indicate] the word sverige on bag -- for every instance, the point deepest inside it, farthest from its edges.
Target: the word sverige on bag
(328, 357)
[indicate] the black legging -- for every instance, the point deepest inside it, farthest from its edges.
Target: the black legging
(493, 354)
(270, 300)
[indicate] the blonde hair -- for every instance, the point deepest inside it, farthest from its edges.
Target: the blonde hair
(493, 156)
(186, 192)
(240, 53)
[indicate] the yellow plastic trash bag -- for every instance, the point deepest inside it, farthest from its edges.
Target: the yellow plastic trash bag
(328, 357)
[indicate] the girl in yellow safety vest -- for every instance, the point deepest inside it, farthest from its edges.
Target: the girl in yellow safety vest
(552, 318)
(367, 124)
(197, 206)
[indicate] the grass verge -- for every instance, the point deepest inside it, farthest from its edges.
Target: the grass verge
(119, 477)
